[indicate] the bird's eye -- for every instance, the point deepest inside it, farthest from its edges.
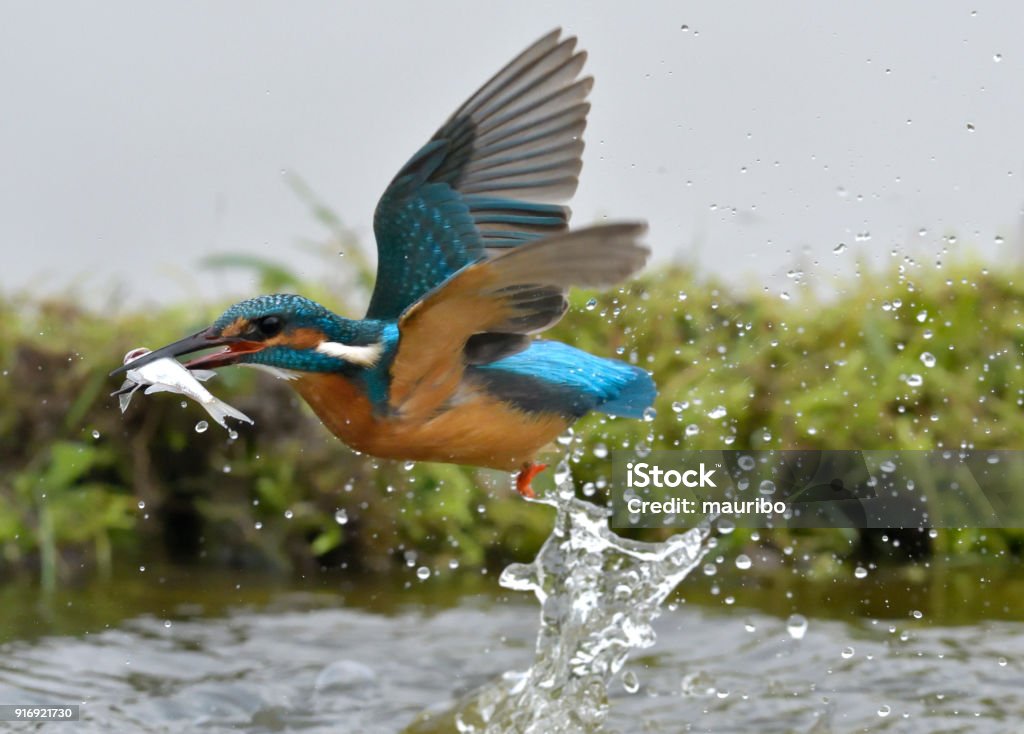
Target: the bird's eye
(269, 326)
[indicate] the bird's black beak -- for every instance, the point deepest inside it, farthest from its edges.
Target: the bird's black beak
(205, 339)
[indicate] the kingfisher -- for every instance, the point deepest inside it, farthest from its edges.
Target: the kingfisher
(475, 257)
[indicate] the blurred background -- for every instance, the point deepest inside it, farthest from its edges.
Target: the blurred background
(754, 138)
(835, 199)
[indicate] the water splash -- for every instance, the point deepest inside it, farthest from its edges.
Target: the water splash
(599, 595)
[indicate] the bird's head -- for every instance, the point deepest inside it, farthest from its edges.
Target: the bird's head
(284, 332)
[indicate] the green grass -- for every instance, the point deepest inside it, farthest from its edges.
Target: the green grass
(83, 488)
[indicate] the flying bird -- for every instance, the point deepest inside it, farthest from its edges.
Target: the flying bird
(475, 257)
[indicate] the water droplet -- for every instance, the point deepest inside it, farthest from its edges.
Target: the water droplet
(1002, 662)
(692, 430)
(997, 57)
(970, 127)
(749, 627)
(232, 434)
(884, 711)
(746, 462)
(95, 433)
(847, 653)
(142, 504)
(341, 517)
(142, 569)
(887, 466)
(927, 359)
(917, 614)
(650, 414)
(630, 682)
(839, 249)
(915, 380)
(423, 573)
(922, 317)
(563, 475)
(743, 562)
(258, 525)
(784, 296)
(766, 487)
(591, 304)
(167, 624)
(288, 514)
(678, 407)
(201, 426)
(796, 626)
(600, 451)
(860, 572)
(717, 412)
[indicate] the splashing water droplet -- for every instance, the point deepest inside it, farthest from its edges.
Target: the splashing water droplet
(796, 626)
(588, 627)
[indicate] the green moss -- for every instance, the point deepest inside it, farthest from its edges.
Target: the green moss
(831, 372)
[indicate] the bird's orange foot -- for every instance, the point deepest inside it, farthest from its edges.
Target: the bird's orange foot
(525, 477)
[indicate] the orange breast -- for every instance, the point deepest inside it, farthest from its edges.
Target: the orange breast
(478, 430)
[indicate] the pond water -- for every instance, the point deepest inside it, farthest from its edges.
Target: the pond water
(184, 650)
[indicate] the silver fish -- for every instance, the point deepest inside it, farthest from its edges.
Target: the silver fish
(169, 375)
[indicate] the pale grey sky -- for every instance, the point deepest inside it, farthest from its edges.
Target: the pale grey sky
(136, 138)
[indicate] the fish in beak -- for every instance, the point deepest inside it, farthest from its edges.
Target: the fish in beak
(233, 348)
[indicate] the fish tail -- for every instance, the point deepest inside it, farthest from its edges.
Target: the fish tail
(220, 410)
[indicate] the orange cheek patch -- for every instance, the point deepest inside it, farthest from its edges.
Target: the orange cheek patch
(236, 327)
(298, 339)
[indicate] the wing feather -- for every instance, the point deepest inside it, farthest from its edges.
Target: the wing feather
(493, 177)
(513, 294)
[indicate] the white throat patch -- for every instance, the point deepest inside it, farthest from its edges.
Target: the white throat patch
(364, 356)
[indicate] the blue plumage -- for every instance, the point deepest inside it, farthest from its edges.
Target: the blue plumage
(556, 378)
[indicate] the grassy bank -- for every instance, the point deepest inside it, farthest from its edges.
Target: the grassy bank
(887, 360)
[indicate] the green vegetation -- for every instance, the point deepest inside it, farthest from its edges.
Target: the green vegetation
(83, 488)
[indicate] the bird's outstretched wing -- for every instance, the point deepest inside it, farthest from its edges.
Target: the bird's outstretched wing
(492, 177)
(518, 292)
